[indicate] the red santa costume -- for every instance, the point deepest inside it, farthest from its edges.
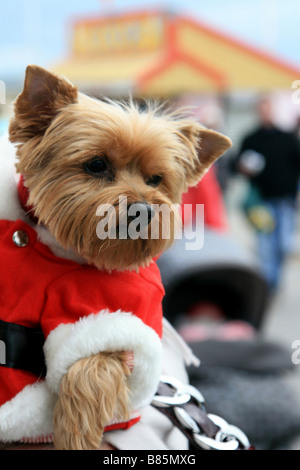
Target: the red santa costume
(80, 310)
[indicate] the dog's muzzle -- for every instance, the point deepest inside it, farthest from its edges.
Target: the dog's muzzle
(143, 210)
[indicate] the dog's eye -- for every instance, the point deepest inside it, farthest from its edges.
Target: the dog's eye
(155, 180)
(95, 167)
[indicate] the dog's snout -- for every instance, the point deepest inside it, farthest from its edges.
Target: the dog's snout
(141, 209)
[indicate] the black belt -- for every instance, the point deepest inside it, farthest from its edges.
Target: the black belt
(22, 348)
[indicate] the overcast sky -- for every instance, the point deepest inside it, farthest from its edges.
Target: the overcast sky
(36, 31)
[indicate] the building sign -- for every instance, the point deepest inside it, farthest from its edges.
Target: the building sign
(119, 35)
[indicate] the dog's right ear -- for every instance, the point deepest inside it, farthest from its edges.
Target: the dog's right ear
(43, 96)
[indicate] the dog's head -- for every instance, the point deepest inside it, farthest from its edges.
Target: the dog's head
(78, 154)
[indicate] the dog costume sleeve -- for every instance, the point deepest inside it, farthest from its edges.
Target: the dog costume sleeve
(88, 311)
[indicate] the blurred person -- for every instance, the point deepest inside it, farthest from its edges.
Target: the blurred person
(209, 194)
(212, 115)
(209, 191)
(270, 158)
(297, 134)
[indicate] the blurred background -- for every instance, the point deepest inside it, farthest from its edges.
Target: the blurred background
(236, 64)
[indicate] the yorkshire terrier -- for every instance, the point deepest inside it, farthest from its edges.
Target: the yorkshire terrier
(96, 299)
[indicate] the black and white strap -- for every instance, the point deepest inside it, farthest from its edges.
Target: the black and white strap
(184, 405)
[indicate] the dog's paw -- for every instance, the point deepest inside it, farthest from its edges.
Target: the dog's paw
(92, 393)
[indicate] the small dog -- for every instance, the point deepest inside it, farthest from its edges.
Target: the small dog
(97, 300)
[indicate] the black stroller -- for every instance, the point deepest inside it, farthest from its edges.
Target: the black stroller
(243, 377)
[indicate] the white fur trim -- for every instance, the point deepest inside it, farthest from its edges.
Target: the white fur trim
(28, 414)
(10, 208)
(45, 237)
(117, 331)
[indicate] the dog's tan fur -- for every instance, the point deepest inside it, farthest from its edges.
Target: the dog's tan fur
(100, 383)
(57, 130)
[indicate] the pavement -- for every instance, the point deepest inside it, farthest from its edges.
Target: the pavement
(282, 318)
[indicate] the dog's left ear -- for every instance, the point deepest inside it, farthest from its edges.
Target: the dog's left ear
(43, 96)
(204, 146)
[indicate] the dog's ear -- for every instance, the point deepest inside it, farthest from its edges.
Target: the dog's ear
(43, 96)
(204, 146)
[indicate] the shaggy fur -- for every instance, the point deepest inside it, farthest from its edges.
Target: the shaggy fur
(100, 382)
(58, 131)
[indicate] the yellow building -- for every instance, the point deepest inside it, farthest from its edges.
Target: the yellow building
(159, 54)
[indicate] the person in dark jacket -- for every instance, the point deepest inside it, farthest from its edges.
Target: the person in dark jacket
(270, 158)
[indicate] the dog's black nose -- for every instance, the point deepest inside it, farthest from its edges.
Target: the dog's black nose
(141, 209)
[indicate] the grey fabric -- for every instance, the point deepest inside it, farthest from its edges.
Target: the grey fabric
(262, 406)
(247, 383)
(256, 355)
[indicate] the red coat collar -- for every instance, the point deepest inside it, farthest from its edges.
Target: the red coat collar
(23, 194)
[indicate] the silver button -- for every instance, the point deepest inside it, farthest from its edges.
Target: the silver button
(20, 238)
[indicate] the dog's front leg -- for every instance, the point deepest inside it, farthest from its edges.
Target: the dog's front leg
(92, 393)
